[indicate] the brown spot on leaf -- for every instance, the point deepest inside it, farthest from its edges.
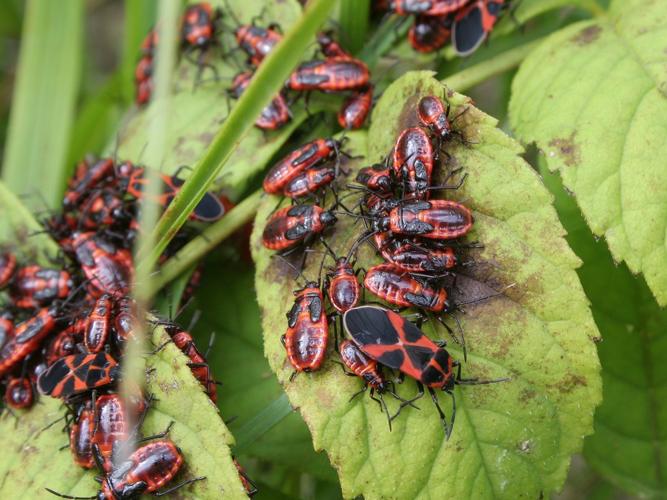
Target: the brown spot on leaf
(587, 35)
(570, 382)
(567, 149)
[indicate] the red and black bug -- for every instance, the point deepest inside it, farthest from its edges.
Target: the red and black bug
(98, 324)
(7, 268)
(377, 177)
(112, 426)
(248, 485)
(143, 79)
(413, 160)
(149, 44)
(81, 436)
(198, 364)
(209, 208)
(256, 41)
(35, 286)
(87, 178)
(292, 225)
(124, 319)
(341, 283)
(396, 286)
(19, 393)
(329, 46)
(307, 330)
(145, 471)
(430, 33)
(310, 181)
(426, 7)
(273, 116)
(393, 341)
(330, 75)
(105, 208)
(367, 369)
(474, 23)
(416, 256)
(27, 338)
(6, 326)
(297, 161)
(354, 110)
(198, 27)
(66, 342)
(109, 269)
(435, 219)
(434, 114)
(78, 373)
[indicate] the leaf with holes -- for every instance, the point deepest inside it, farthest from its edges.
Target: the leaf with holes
(593, 98)
(539, 332)
(32, 460)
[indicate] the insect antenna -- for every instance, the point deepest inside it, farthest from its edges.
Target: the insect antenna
(485, 297)
(53, 492)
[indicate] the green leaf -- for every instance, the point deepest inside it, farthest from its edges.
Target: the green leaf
(540, 333)
(592, 97)
(628, 445)
(249, 388)
(43, 104)
(267, 80)
(32, 460)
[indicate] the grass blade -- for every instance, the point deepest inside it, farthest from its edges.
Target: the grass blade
(354, 23)
(44, 100)
(267, 81)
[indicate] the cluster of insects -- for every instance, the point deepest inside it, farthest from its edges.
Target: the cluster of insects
(467, 23)
(419, 239)
(64, 328)
(338, 72)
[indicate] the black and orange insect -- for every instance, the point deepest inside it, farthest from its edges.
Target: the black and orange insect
(109, 269)
(35, 286)
(417, 256)
(248, 485)
(7, 268)
(124, 320)
(112, 427)
(274, 115)
(307, 330)
(430, 33)
(87, 178)
(393, 341)
(143, 80)
(198, 26)
(256, 41)
(396, 286)
(335, 74)
(149, 468)
(198, 364)
(311, 181)
(473, 24)
(98, 324)
(81, 436)
(377, 177)
(329, 46)
(6, 326)
(66, 342)
(366, 369)
(355, 109)
(426, 7)
(27, 338)
(290, 226)
(413, 161)
(19, 393)
(297, 161)
(435, 219)
(78, 373)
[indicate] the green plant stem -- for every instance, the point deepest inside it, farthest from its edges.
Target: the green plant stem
(476, 74)
(205, 242)
(392, 30)
(354, 23)
(267, 81)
